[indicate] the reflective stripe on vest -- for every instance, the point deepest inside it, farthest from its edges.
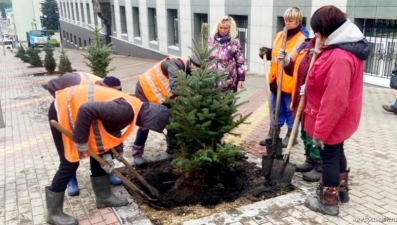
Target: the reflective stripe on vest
(295, 74)
(87, 78)
(291, 48)
(94, 124)
(155, 85)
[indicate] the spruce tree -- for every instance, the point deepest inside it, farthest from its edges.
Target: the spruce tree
(34, 58)
(98, 56)
(64, 63)
(201, 115)
(49, 61)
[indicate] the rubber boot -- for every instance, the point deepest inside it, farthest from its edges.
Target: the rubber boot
(114, 180)
(269, 136)
(103, 195)
(55, 214)
(326, 201)
(307, 165)
(315, 174)
(287, 137)
(344, 187)
(137, 153)
(73, 186)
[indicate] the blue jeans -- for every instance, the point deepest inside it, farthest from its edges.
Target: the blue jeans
(285, 113)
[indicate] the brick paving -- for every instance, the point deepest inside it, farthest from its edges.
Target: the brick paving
(28, 158)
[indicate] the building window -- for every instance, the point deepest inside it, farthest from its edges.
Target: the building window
(82, 12)
(63, 32)
(65, 14)
(88, 13)
(135, 21)
(173, 28)
(75, 40)
(152, 20)
(67, 36)
(199, 20)
(123, 20)
(77, 12)
(80, 42)
(71, 6)
(71, 38)
(113, 19)
(85, 43)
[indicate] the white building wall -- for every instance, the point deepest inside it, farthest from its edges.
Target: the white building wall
(217, 10)
(261, 25)
(185, 27)
(25, 12)
(162, 26)
(143, 18)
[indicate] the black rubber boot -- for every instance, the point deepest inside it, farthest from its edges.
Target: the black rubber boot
(326, 201)
(269, 136)
(104, 196)
(344, 187)
(55, 214)
(305, 166)
(287, 137)
(315, 174)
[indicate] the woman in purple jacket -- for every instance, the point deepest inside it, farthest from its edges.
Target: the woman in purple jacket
(229, 55)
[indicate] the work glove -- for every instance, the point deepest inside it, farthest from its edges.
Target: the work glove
(108, 158)
(83, 147)
(302, 90)
(282, 54)
(312, 51)
(319, 143)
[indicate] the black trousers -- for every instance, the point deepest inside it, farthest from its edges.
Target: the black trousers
(334, 163)
(67, 169)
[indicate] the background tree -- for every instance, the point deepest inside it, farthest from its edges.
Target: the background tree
(50, 18)
(201, 115)
(49, 61)
(4, 4)
(64, 63)
(99, 56)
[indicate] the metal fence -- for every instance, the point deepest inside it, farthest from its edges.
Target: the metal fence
(242, 29)
(382, 36)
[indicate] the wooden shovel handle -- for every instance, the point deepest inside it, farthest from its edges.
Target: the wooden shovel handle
(279, 85)
(101, 161)
(301, 101)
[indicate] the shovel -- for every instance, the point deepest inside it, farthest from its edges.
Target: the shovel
(116, 172)
(274, 145)
(283, 170)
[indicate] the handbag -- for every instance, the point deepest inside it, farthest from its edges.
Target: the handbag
(393, 79)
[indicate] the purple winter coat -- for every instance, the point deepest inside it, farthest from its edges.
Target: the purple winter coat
(230, 58)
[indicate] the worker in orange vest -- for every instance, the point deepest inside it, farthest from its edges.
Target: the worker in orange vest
(296, 35)
(77, 78)
(155, 86)
(95, 115)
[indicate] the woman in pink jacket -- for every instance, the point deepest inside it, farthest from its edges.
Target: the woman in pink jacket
(334, 90)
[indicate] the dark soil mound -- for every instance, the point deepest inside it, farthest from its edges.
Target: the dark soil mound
(244, 179)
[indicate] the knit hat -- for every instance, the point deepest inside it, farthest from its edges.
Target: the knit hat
(111, 81)
(195, 60)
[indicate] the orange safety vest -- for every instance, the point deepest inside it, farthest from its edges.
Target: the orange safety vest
(67, 104)
(291, 47)
(298, 61)
(87, 78)
(155, 85)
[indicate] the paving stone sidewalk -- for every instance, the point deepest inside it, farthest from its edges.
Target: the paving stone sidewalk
(28, 158)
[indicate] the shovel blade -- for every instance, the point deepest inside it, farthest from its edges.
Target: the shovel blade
(289, 172)
(267, 163)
